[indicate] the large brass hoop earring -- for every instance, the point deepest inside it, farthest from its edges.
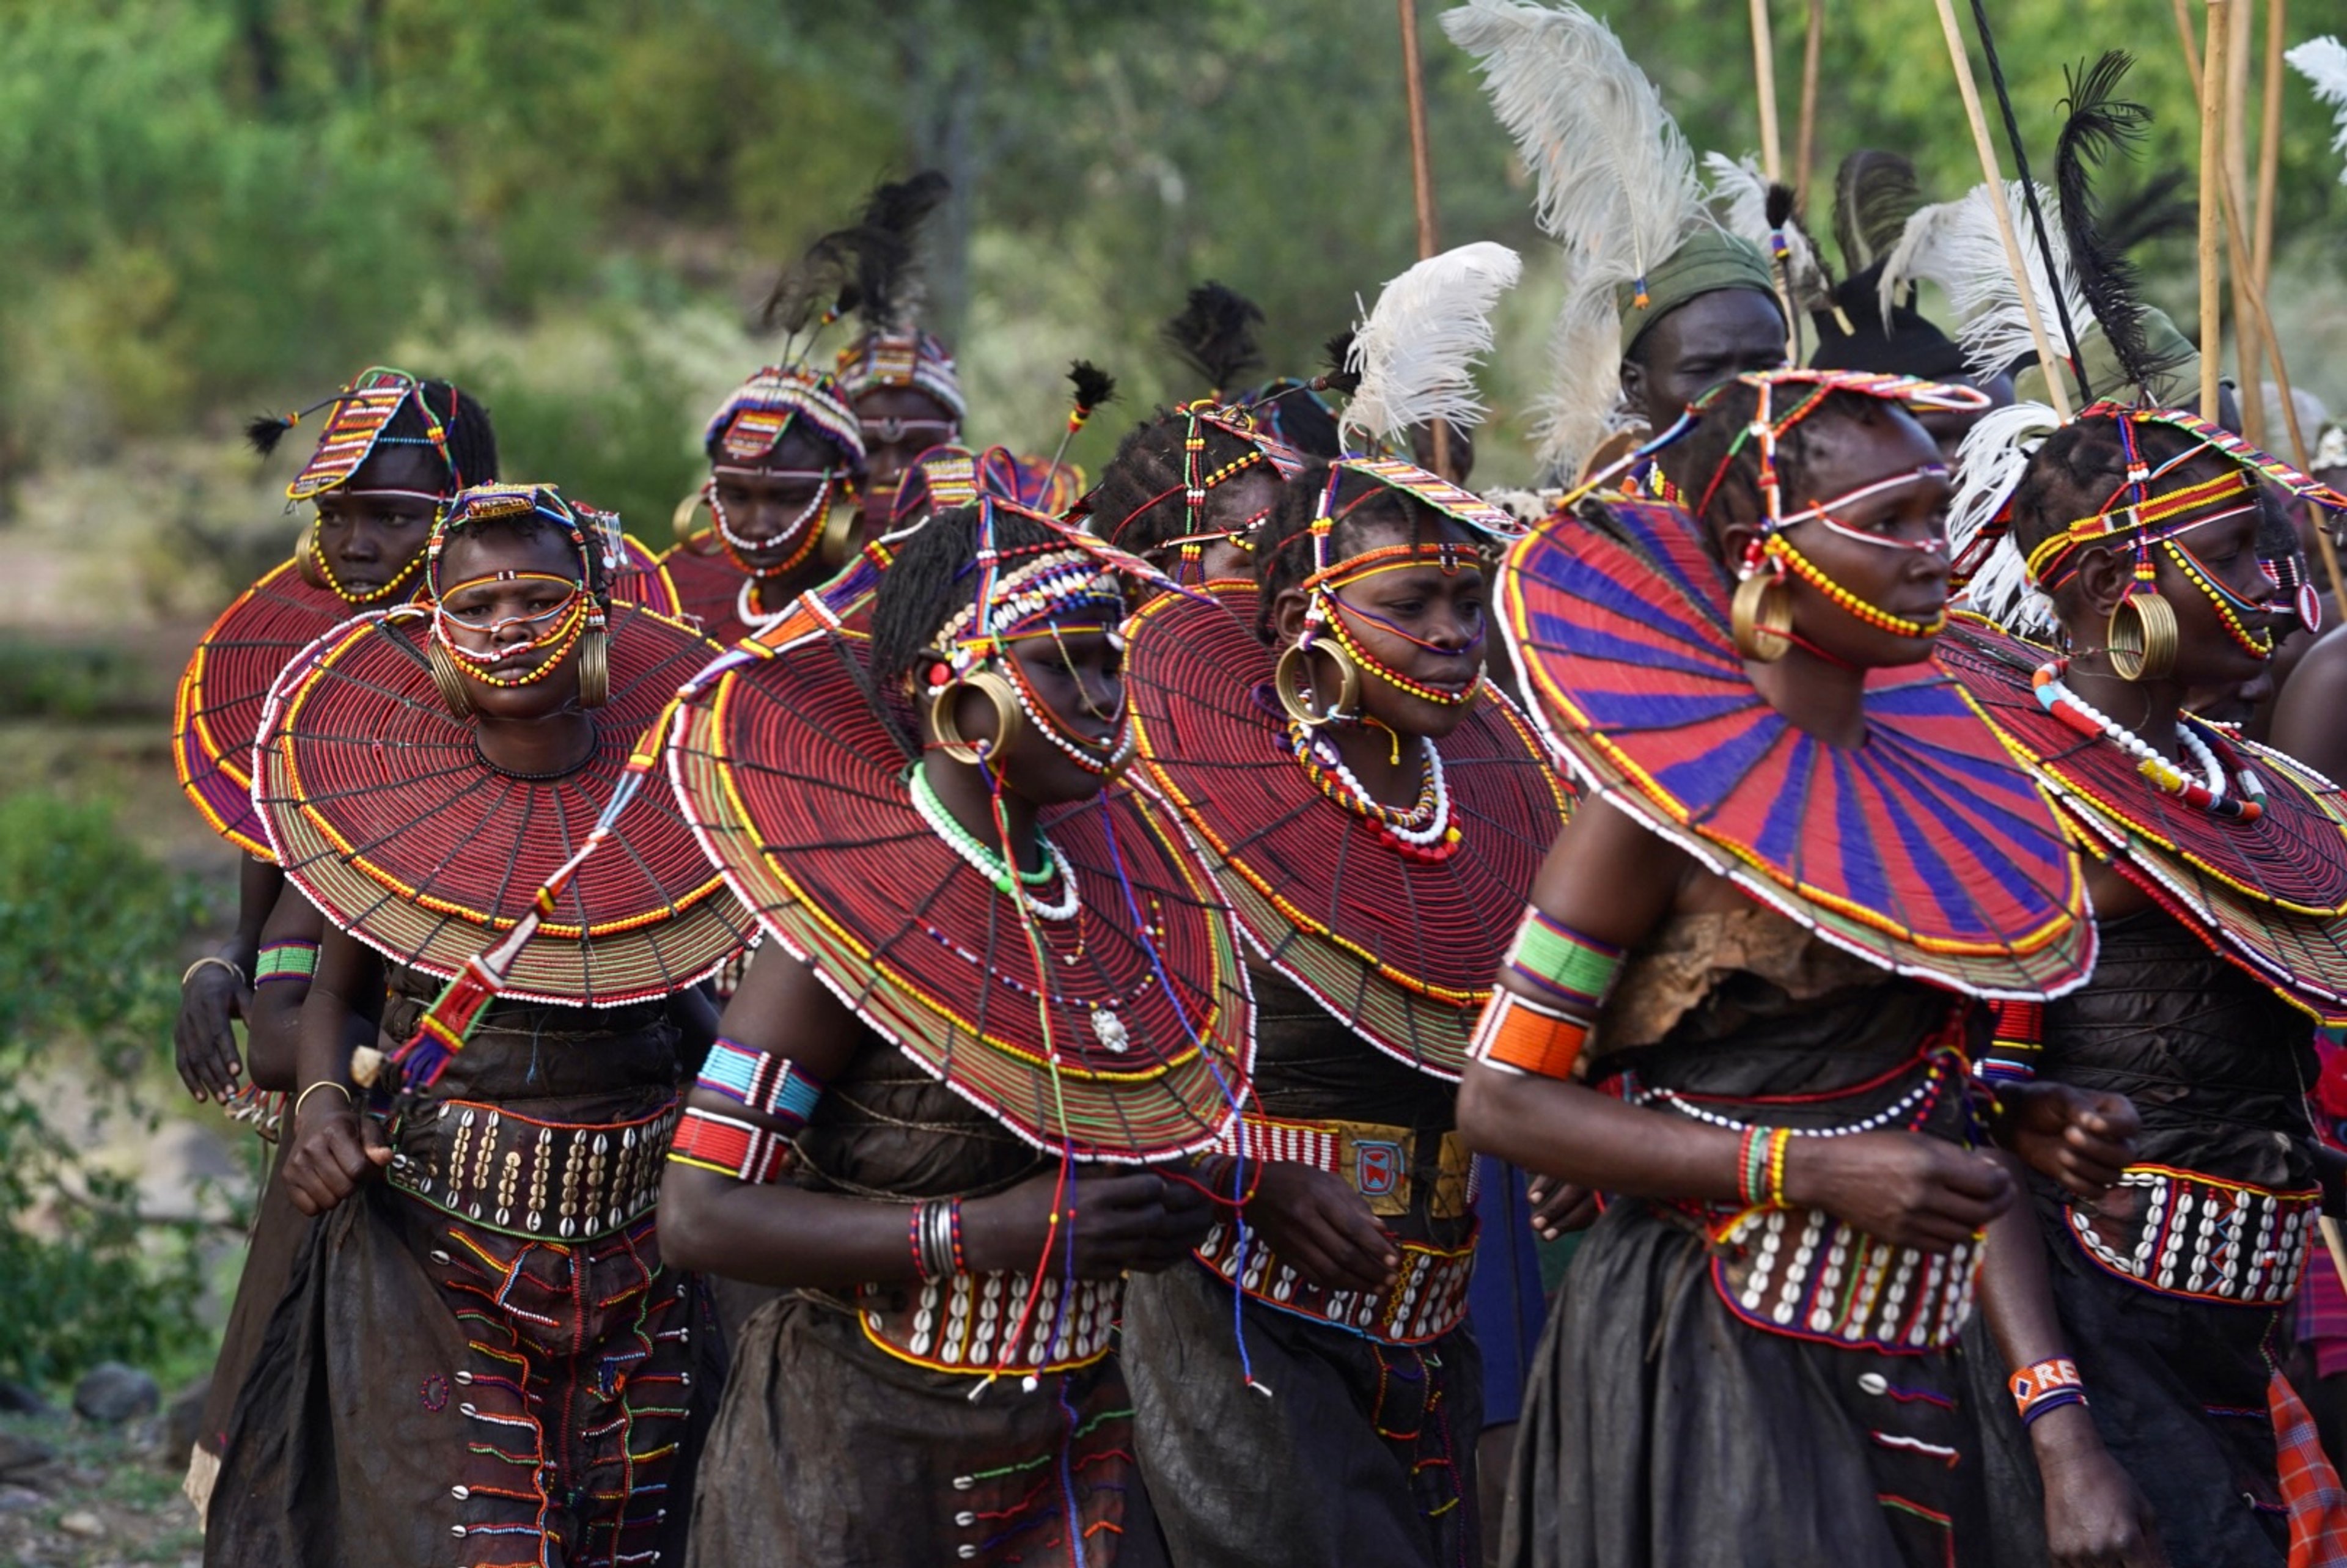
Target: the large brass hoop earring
(594, 667)
(1291, 691)
(838, 541)
(305, 555)
(999, 694)
(1761, 616)
(680, 522)
(453, 693)
(2140, 639)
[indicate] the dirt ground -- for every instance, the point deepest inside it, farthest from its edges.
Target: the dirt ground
(108, 1498)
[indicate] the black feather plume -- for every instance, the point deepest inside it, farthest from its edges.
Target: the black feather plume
(870, 268)
(823, 279)
(262, 432)
(2155, 213)
(1093, 386)
(1875, 193)
(2095, 126)
(1339, 378)
(1215, 335)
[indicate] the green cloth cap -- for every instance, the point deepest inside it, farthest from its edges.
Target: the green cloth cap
(1711, 259)
(2169, 347)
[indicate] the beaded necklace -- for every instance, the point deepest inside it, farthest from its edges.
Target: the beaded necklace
(995, 867)
(1422, 830)
(740, 549)
(2210, 792)
(354, 596)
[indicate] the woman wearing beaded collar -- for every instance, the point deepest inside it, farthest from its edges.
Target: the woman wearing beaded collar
(2222, 894)
(786, 458)
(995, 978)
(481, 1355)
(1376, 809)
(1761, 925)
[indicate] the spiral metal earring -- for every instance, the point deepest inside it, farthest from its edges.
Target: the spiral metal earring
(453, 693)
(1761, 616)
(1000, 695)
(1294, 661)
(2141, 637)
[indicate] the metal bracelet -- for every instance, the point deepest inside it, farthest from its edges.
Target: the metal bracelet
(342, 1089)
(190, 972)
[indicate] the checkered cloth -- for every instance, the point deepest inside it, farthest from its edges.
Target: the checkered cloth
(2318, 1503)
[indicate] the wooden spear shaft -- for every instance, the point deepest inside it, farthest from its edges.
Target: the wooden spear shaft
(2239, 264)
(1764, 72)
(2058, 391)
(1422, 177)
(1808, 140)
(2212, 200)
(2270, 139)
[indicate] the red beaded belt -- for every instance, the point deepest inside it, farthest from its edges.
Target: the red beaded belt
(1373, 1159)
(1426, 1299)
(1805, 1275)
(541, 1180)
(970, 1323)
(2203, 1237)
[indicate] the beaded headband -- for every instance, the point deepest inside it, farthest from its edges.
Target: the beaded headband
(915, 360)
(1768, 426)
(748, 424)
(1198, 482)
(363, 410)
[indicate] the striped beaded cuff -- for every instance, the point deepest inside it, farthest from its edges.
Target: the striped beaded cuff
(763, 1082)
(2014, 1044)
(1572, 972)
(295, 960)
(1516, 1035)
(709, 1142)
(2048, 1386)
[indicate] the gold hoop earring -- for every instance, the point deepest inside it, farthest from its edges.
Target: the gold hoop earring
(454, 694)
(594, 667)
(838, 540)
(2141, 646)
(688, 511)
(1291, 692)
(305, 555)
(1761, 616)
(999, 694)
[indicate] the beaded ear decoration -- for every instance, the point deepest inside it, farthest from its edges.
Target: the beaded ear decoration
(1327, 613)
(581, 620)
(1071, 585)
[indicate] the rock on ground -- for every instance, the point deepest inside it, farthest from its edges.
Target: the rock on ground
(111, 1393)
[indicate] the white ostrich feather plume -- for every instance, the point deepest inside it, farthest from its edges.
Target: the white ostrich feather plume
(1616, 185)
(1957, 245)
(2323, 63)
(1740, 194)
(1989, 465)
(1416, 352)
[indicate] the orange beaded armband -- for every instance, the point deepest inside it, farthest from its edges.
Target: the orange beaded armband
(1523, 1036)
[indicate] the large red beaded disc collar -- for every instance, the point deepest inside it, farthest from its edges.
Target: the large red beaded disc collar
(1925, 849)
(1394, 919)
(1099, 1011)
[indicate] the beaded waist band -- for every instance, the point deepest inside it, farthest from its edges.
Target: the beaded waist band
(2200, 1236)
(1805, 1275)
(971, 1322)
(543, 1180)
(1426, 1299)
(1375, 1159)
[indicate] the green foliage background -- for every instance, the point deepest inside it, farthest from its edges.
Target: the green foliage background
(214, 204)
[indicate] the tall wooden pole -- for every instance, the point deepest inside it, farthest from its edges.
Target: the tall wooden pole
(2212, 201)
(2240, 265)
(1764, 72)
(1422, 177)
(1807, 157)
(2058, 391)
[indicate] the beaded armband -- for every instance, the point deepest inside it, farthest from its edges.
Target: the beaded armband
(1569, 975)
(2014, 1044)
(709, 1142)
(293, 961)
(763, 1082)
(1760, 1166)
(2048, 1386)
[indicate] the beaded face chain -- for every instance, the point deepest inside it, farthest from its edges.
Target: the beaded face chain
(315, 545)
(2227, 788)
(738, 548)
(1198, 482)
(583, 613)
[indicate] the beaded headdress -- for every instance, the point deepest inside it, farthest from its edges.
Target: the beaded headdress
(361, 413)
(906, 359)
(750, 421)
(1198, 481)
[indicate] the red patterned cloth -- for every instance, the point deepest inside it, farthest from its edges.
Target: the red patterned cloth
(2318, 1503)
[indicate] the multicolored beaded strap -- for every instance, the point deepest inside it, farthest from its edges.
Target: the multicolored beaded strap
(291, 961)
(763, 1082)
(2016, 1042)
(729, 1147)
(1566, 976)
(2046, 1386)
